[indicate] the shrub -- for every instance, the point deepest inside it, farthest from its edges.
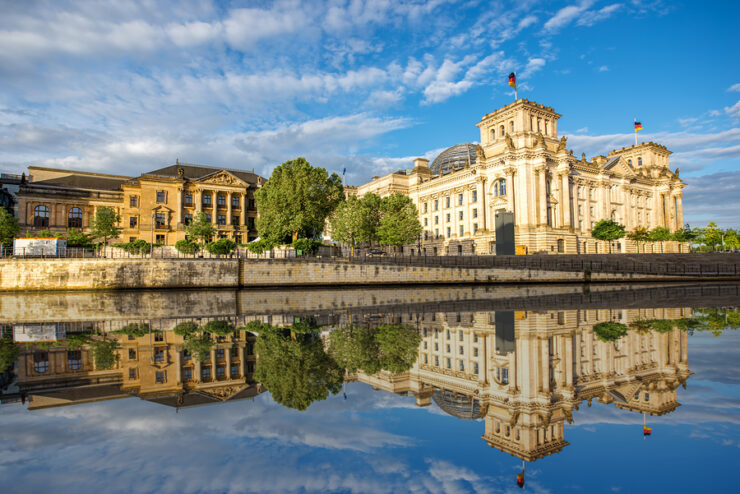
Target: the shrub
(187, 247)
(135, 247)
(219, 328)
(261, 245)
(306, 245)
(75, 238)
(610, 331)
(221, 246)
(137, 329)
(104, 353)
(8, 354)
(186, 329)
(199, 347)
(76, 340)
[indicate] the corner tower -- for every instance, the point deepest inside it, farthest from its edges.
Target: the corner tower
(520, 121)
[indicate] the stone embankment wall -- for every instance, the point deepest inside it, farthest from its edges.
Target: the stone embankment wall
(102, 274)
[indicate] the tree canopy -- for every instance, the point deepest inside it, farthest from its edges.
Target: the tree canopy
(8, 227)
(639, 235)
(8, 354)
(355, 221)
(296, 370)
(609, 331)
(608, 230)
(105, 224)
(399, 220)
(104, 353)
(391, 347)
(296, 201)
(200, 230)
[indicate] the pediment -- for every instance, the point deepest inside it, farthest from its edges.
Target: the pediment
(222, 393)
(619, 167)
(222, 177)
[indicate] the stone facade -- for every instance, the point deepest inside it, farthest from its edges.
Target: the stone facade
(523, 167)
(155, 206)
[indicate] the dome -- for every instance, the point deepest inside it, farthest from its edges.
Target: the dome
(457, 405)
(454, 158)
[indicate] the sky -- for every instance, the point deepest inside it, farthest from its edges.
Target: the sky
(366, 86)
(374, 442)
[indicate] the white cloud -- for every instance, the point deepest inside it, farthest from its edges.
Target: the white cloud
(734, 110)
(603, 68)
(589, 18)
(734, 87)
(566, 15)
(533, 65)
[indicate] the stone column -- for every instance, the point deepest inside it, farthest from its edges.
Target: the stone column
(510, 195)
(228, 360)
(178, 207)
(243, 219)
(213, 361)
(197, 197)
(565, 201)
(196, 370)
(242, 362)
(228, 208)
(542, 196)
(679, 212)
(178, 366)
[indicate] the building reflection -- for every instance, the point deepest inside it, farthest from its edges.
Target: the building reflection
(155, 367)
(524, 373)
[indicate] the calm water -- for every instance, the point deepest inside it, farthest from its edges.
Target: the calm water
(555, 380)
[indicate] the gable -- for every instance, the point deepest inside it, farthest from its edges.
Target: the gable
(223, 177)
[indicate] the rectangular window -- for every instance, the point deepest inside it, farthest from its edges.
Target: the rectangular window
(459, 199)
(250, 223)
(220, 372)
(188, 199)
(475, 212)
(234, 201)
(447, 348)
(160, 239)
(436, 361)
(158, 336)
(436, 204)
(436, 220)
(449, 232)
(448, 218)
(426, 207)
(475, 338)
(447, 201)
(221, 219)
(131, 354)
(133, 221)
(251, 204)
(161, 220)
(132, 373)
(133, 201)
(475, 228)
(449, 363)
(462, 232)
(475, 368)
(206, 199)
(187, 374)
(205, 373)
(161, 196)
(159, 355)
(161, 377)
(188, 218)
(460, 334)
(221, 200)
(436, 234)
(220, 353)
(460, 215)
(475, 196)
(425, 222)
(186, 355)
(475, 351)
(235, 220)
(436, 346)
(462, 366)
(462, 350)
(234, 370)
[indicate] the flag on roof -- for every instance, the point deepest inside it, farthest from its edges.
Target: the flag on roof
(638, 126)
(646, 431)
(512, 79)
(520, 479)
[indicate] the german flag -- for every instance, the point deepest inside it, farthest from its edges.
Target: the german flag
(520, 479)
(646, 431)
(638, 126)
(512, 79)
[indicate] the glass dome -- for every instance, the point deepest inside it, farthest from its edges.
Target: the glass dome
(457, 405)
(454, 158)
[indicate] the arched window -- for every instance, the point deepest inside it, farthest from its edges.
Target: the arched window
(629, 162)
(493, 134)
(74, 218)
(639, 161)
(40, 362)
(499, 187)
(502, 131)
(547, 128)
(511, 127)
(41, 216)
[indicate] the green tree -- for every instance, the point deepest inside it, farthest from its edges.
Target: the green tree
(222, 246)
(297, 371)
(219, 328)
(355, 221)
(296, 201)
(8, 228)
(75, 341)
(135, 329)
(685, 234)
(639, 235)
(732, 241)
(609, 331)
(399, 221)
(104, 353)
(200, 230)
(355, 349)
(8, 354)
(199, 346)
(105, 224)
(608, 231)
(76, 238)
(399, 347)
(659, 234)
(186, 329)
(712, 236)
(187, 247)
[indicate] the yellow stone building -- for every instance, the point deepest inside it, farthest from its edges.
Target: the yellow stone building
(524, 373)
(522, 166)
(156, 206)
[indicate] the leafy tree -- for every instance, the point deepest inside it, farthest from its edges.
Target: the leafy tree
(355, 221)
(732, 241)
(297, 371)
(135, 329)
(199, 346)
(399, 220)
(662, 325)
(186, 329)
(8, 227)
(221, 247)
(187, 247)
(639, 235)
(261, 245)
(296, 201)
(712, 236)
(136, 247)
(219, 328)
(399, 347)
(75, 341)
(355, 349)
(307, 245)
(608, 231)
(105, 224)
(8, 353)
(685, 234)
(659, 234)
(104, 353)
(609, 331)
(200, 230)
(76, 238)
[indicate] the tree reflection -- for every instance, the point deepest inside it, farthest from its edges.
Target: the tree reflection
(391, 347)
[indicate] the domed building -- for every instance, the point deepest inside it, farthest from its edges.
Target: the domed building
(522, 178)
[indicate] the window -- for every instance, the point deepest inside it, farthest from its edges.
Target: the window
(133, 201)
(221, 200)
(436, 220)
(186, 355)
(499, 187)
(161, 377)
(580, 210)
(460, 215)
(459, 199)
(40, 362)
(160, 239)
(133, 221)
(220, 372)
(41, 216)
(159, 354)
(161, 220)
(208, 217)
(475, 338)
(132, 373)
(161, 196)
(237, 239)
(447, 201)
(449, 232)
(548, 186)
(629, 162)
(436, 204)
(493, 134)
(462, 232)
(131, 354)
(447, 348)
(74, 360)
(426, 221)
(639, 161)
(235, 220)
(501, 131)
(462, 366)
(205, 373)
(188, 218)
(475, 351)
(462, 350)
(234, 370)
(206, 199)
(475, 212)
(188, 199)
(221, 219)
(448, 363)
(436, 346)
(475, 228)
(511, 127)
(448, 218)
(436, 361)
(426, 207)
(475, 368)
(187, 374)
(234, 201)
(220, 353)
(74, 218)
(436, 234)
(250, 223)
(460, 334)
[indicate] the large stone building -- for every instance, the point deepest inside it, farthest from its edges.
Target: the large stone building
(522, 166)
(155, 206)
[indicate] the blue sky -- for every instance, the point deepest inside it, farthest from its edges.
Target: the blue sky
(373, 442)
(126, 87)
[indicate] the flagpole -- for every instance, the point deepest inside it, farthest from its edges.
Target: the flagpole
(635, 133)
(515, 92)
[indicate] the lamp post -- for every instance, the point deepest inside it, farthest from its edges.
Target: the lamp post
(151, 245)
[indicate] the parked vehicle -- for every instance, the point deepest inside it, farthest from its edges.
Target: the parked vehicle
(375, 253)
